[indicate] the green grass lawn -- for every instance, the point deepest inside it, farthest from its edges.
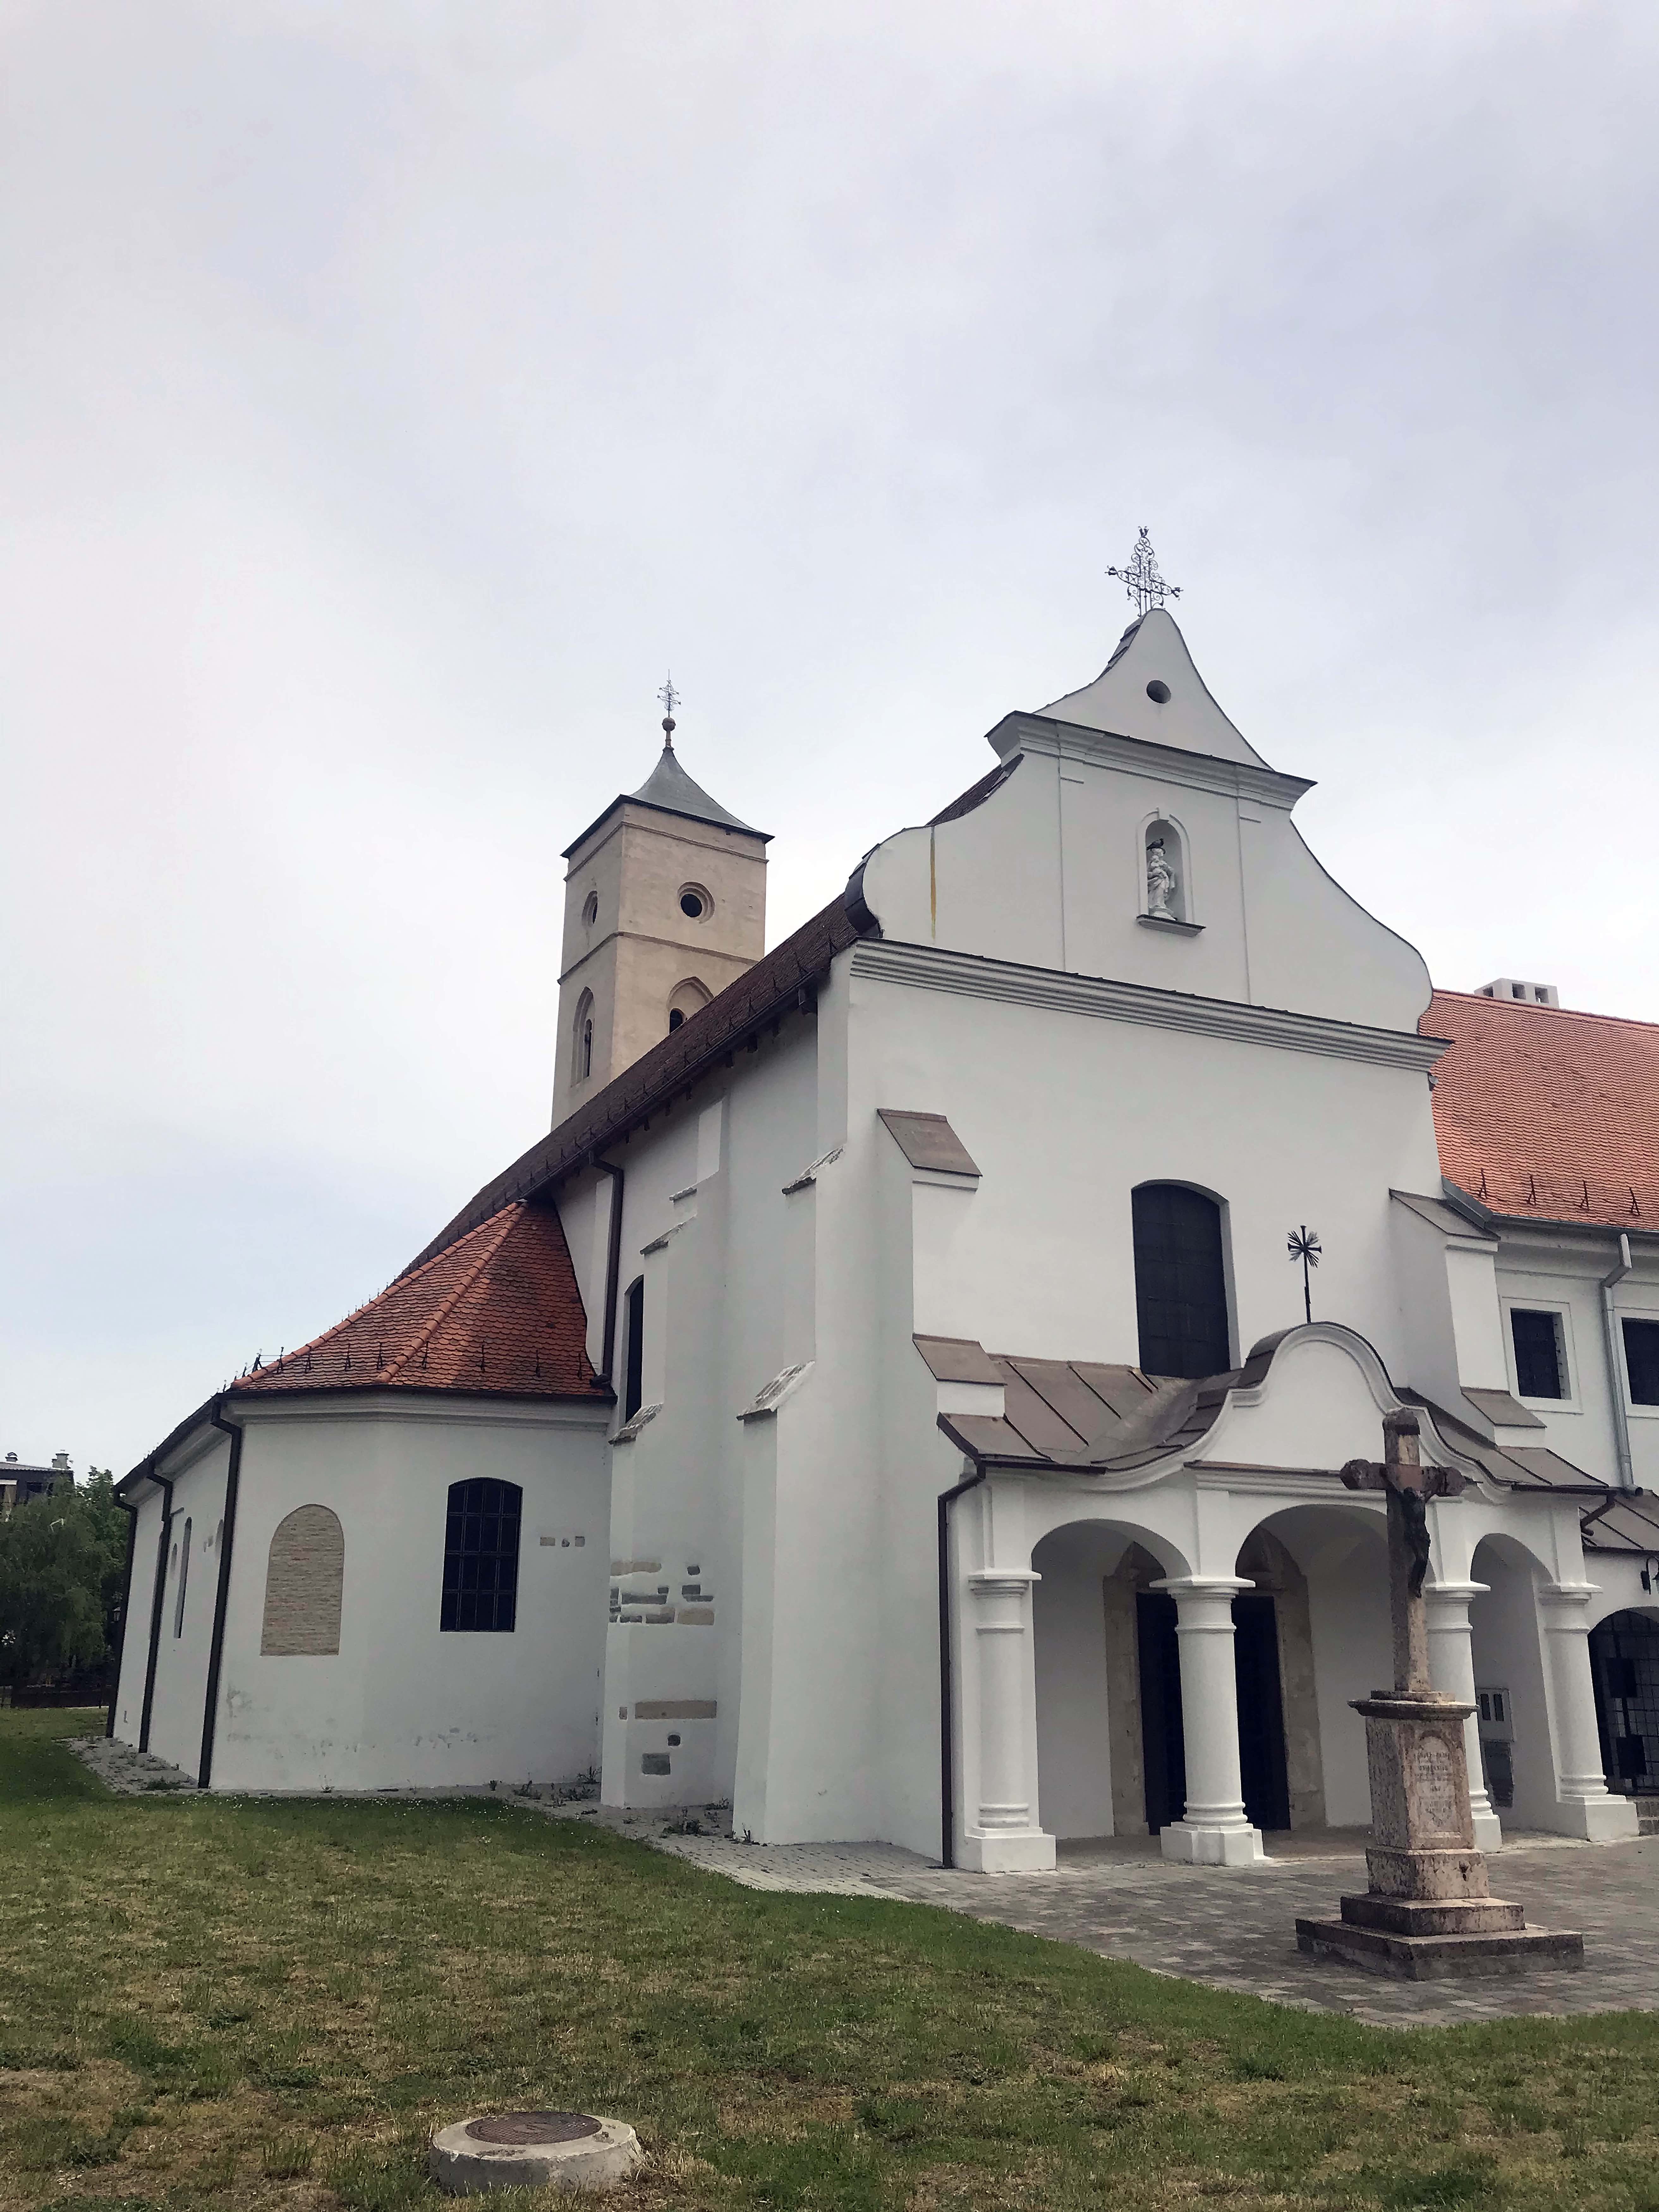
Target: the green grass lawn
(204, 2002)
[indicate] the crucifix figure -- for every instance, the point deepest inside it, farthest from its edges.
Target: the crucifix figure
(1409, 1485)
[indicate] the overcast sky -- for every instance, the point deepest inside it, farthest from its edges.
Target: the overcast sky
(393, 393)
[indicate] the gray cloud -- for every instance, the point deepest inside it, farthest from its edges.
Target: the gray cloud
(393, 392)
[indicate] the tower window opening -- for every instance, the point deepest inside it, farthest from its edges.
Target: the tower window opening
(695, 902)
(590, 909)
(583, 1041)
(675, 1017)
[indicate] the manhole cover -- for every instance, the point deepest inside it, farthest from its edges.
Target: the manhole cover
(533, 2127)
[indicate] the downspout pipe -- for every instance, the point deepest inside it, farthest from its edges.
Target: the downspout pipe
(947, 1752)
(612, 1270)
(165, 1486)
(222, 1596)
(1610, 1282)
(131, 1512)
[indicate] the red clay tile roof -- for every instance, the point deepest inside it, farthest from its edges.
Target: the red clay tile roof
(498, 1312)
(1540, 1111)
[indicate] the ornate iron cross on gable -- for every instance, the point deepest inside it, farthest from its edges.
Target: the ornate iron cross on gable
(1409, 1485)
(1142, 580)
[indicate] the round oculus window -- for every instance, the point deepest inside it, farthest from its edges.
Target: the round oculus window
(1158, 691)
(694, 902)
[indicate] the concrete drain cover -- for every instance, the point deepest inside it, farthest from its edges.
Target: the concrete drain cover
(533, 2128)
(533, 2150)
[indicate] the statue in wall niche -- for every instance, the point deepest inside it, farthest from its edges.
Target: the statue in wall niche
(1162, 883)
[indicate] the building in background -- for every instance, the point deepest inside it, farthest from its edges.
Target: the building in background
(19, 1480)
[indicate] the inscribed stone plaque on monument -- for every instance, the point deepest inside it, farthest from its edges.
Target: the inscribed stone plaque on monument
(1431, 1784)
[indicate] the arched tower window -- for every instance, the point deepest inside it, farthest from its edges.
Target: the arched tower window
(481, 1555)
(1181, 1281)
(583, 1038)
(305, 1577)
(685, 1000)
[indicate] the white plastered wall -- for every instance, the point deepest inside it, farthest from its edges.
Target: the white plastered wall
(404, 1702)
(198, 1469)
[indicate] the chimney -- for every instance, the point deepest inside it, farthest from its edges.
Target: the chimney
(1519, 993)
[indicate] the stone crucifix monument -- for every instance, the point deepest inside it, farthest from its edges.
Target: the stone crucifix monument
(1428, 1912)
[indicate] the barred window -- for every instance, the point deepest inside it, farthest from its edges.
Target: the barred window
(1181, 1280)
(481, 1555)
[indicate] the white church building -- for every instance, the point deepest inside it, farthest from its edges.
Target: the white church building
(884, 1401)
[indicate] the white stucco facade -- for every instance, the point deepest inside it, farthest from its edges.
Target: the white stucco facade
(772, 1604)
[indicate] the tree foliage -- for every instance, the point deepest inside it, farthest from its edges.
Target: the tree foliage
(63, 1572)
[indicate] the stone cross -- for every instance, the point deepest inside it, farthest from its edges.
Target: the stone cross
(1409, 1485)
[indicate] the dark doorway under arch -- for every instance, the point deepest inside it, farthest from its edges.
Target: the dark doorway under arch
(1625, 1667)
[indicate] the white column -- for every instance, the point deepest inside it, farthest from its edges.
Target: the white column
(1214, 1831)
(1588, 1808)
(1451, 1669)
(1002, 1835)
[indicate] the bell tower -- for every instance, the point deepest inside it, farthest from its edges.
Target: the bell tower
(664, 904)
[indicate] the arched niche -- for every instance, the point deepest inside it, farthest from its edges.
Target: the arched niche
(1164, 862)
(305, 1580)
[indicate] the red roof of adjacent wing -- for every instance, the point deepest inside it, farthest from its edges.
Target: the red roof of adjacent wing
(1538, 1111)
(498, 1312)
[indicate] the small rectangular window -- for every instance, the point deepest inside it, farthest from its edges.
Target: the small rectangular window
(634, 1373)
(1539, 1366)
(1642, 1361)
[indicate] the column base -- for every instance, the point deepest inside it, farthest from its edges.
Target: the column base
(1598, 1819)
(1191, 1845)
(1488, 1832)
(1028, 1851)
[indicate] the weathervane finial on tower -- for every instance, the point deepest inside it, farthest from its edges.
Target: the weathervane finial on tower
(671, 699)
(1142, 580)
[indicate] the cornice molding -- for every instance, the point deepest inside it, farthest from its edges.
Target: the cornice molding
(968, 975)
(1036, 733)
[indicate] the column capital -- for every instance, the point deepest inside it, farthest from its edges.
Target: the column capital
(991, 1582)
(1181, 1586)
(1448, 1594)
(1565, 1597)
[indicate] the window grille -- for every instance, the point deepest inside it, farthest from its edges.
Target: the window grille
(1642, 1361)
(1538, 1361)
(481, 1555)
(1181, 1281)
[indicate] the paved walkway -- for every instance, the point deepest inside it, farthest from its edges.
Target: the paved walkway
(1234, 1927)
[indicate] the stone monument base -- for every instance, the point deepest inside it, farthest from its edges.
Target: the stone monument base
(1427, 1953)
(1428, 1915)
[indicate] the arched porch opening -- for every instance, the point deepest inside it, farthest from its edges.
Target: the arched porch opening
(1516, 1756)
(1313, 1635)
(1110, 1755)
(1624, 1651)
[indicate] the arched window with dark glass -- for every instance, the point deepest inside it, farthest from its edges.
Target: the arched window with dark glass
(1181, 1281)
(634, 1370)
(481, 1555)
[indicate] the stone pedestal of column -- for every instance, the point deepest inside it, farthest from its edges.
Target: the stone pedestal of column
(1428, 1913)
(1213, 1830)
(1002, 1835)
(1451, 1664)
(1588, 1808)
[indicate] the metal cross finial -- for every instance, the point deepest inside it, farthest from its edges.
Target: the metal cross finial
(1304, 1244)
(671, 699)
(1142, 580)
